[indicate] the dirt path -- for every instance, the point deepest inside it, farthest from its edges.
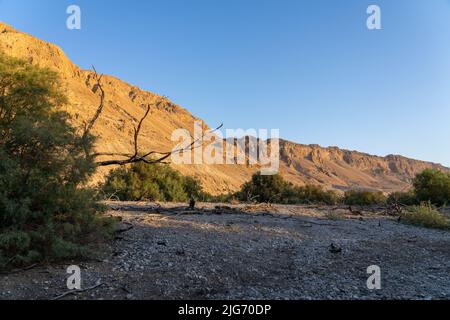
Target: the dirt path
(252, 255)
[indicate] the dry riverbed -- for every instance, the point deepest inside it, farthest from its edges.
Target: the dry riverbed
(238, 252)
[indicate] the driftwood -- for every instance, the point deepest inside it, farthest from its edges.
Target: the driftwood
(192, 203)
(355, 212)
(217, 210)
(131, 207)
(20, 270)
(65, 294)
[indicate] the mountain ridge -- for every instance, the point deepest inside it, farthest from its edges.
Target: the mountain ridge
(330, 167)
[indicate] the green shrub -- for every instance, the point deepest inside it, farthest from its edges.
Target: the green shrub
(316, 194)
(405, 198)
(425, 215)
(433, 186)
(151, 182)
(364, 197)
(262, 189)
(192, 187)
(45, 213)
(274, 189)
(221, 198)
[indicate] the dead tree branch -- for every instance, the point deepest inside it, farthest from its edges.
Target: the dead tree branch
(99, 284)
(88, 126)
(137, 131)
(150, 157)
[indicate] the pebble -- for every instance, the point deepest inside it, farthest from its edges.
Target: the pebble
(287, 262)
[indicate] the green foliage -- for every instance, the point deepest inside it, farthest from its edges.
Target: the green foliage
(151, 182)
(315, 194)
(274, 189)
(262, 188)
(364, 197)
(192, 187)
(405, 198)
(429, 186)
(425, 215)
(434, 186)
(221, 198)
(45, 214)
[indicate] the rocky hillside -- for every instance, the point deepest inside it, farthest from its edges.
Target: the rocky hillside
(330, 167)
(343, 169)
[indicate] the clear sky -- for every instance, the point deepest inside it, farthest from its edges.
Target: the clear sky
(310, 68)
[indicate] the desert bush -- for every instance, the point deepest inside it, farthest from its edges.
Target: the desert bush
(151, 182)
(316, 194)
(433, 186)
(192, 187)
(220, 198)
(364, 197)
(274, 189)
(405, 198)
(45, 212)
(262, 188)
(425, 215)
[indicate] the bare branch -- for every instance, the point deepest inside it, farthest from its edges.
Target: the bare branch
(99, 284)
(137, 131)
(163, 155)
(112, 154)
(94, 119)
(135, 157)
(132, 160)
(88, 126)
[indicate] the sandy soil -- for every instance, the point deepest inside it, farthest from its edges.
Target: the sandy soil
(281, 252)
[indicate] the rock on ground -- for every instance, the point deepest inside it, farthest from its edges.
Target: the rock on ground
(280, 252)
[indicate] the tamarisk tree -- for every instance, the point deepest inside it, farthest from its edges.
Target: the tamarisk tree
(46, 212)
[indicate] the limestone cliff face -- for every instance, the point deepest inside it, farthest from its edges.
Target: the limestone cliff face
(124, 106)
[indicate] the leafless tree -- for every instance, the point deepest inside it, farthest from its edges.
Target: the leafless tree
(149, 157)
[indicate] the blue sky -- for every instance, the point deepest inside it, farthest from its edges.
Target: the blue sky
(310, 68)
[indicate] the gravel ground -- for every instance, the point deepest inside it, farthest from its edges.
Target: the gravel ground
(280, 252)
